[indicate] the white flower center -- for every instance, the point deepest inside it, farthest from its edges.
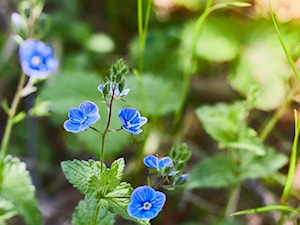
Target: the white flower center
(147, 205)
(36, 60)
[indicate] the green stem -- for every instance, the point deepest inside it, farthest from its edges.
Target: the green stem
(142, 30)
(11, 116)
(187, 70)
(274, 119)
(106, 130)
(232, 201)
(96, 213)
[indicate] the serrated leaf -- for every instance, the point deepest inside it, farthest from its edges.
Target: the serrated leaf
(219, 171)
(118, 201)
(17, 188)
(79, 173)
(84, 213)
(221, 121)
(7, 210)
(118, 167)
(256, 166)
(214, 172)
(108, 180)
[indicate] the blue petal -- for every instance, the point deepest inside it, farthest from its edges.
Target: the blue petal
(93, 118)
(159, 202)
(124, 92)
(100, 88)
(126, 114)
(151, 161)
(88, 108)
(143, 194)
(76, 115)
(132, 130)
(71, 126)
(165, 162)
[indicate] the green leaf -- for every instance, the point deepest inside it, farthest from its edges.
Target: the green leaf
(19, 117)
(108, 180)
(118, 201)
(256, 166)
(7, 210)
(87, 177)
(155, 95)
(5, 106)
(100, 43)
(215, 172)
(84, 213)
(219, 171)
(266, 209)
(221, 121)
(263, 65)
(218, 33)
(79, 173)
(17, 188)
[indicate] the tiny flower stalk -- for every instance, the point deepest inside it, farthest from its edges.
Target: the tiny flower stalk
(10, 120)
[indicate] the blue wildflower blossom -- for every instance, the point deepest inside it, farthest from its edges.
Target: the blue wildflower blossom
(37, 58)
(81, 118)
(132, 120)
(117, 92)
(146, 203)
(153, 162)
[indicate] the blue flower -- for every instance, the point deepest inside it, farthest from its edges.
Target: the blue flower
(132, 120)
(37, 58)
(81, 118)
(117, 92)
(146, 203)
(153, 162)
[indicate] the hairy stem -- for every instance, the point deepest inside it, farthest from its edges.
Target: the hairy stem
(106, 130)
(11, 115)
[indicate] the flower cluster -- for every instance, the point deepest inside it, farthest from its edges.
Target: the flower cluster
(145, 201)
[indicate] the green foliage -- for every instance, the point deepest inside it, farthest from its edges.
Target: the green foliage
(220, 171)
(218, 33)
(7, 210)
(215, 172)
(84, 213)
(154, 96)
(79, 173)
(226, 124)
(252, 69)
(16, 188)
(104, 191)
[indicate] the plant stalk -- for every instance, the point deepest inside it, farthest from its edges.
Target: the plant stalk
(10, 120)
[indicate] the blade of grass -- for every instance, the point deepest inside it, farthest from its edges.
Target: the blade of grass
(265, 209)
(279, 36)
(292, 166)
